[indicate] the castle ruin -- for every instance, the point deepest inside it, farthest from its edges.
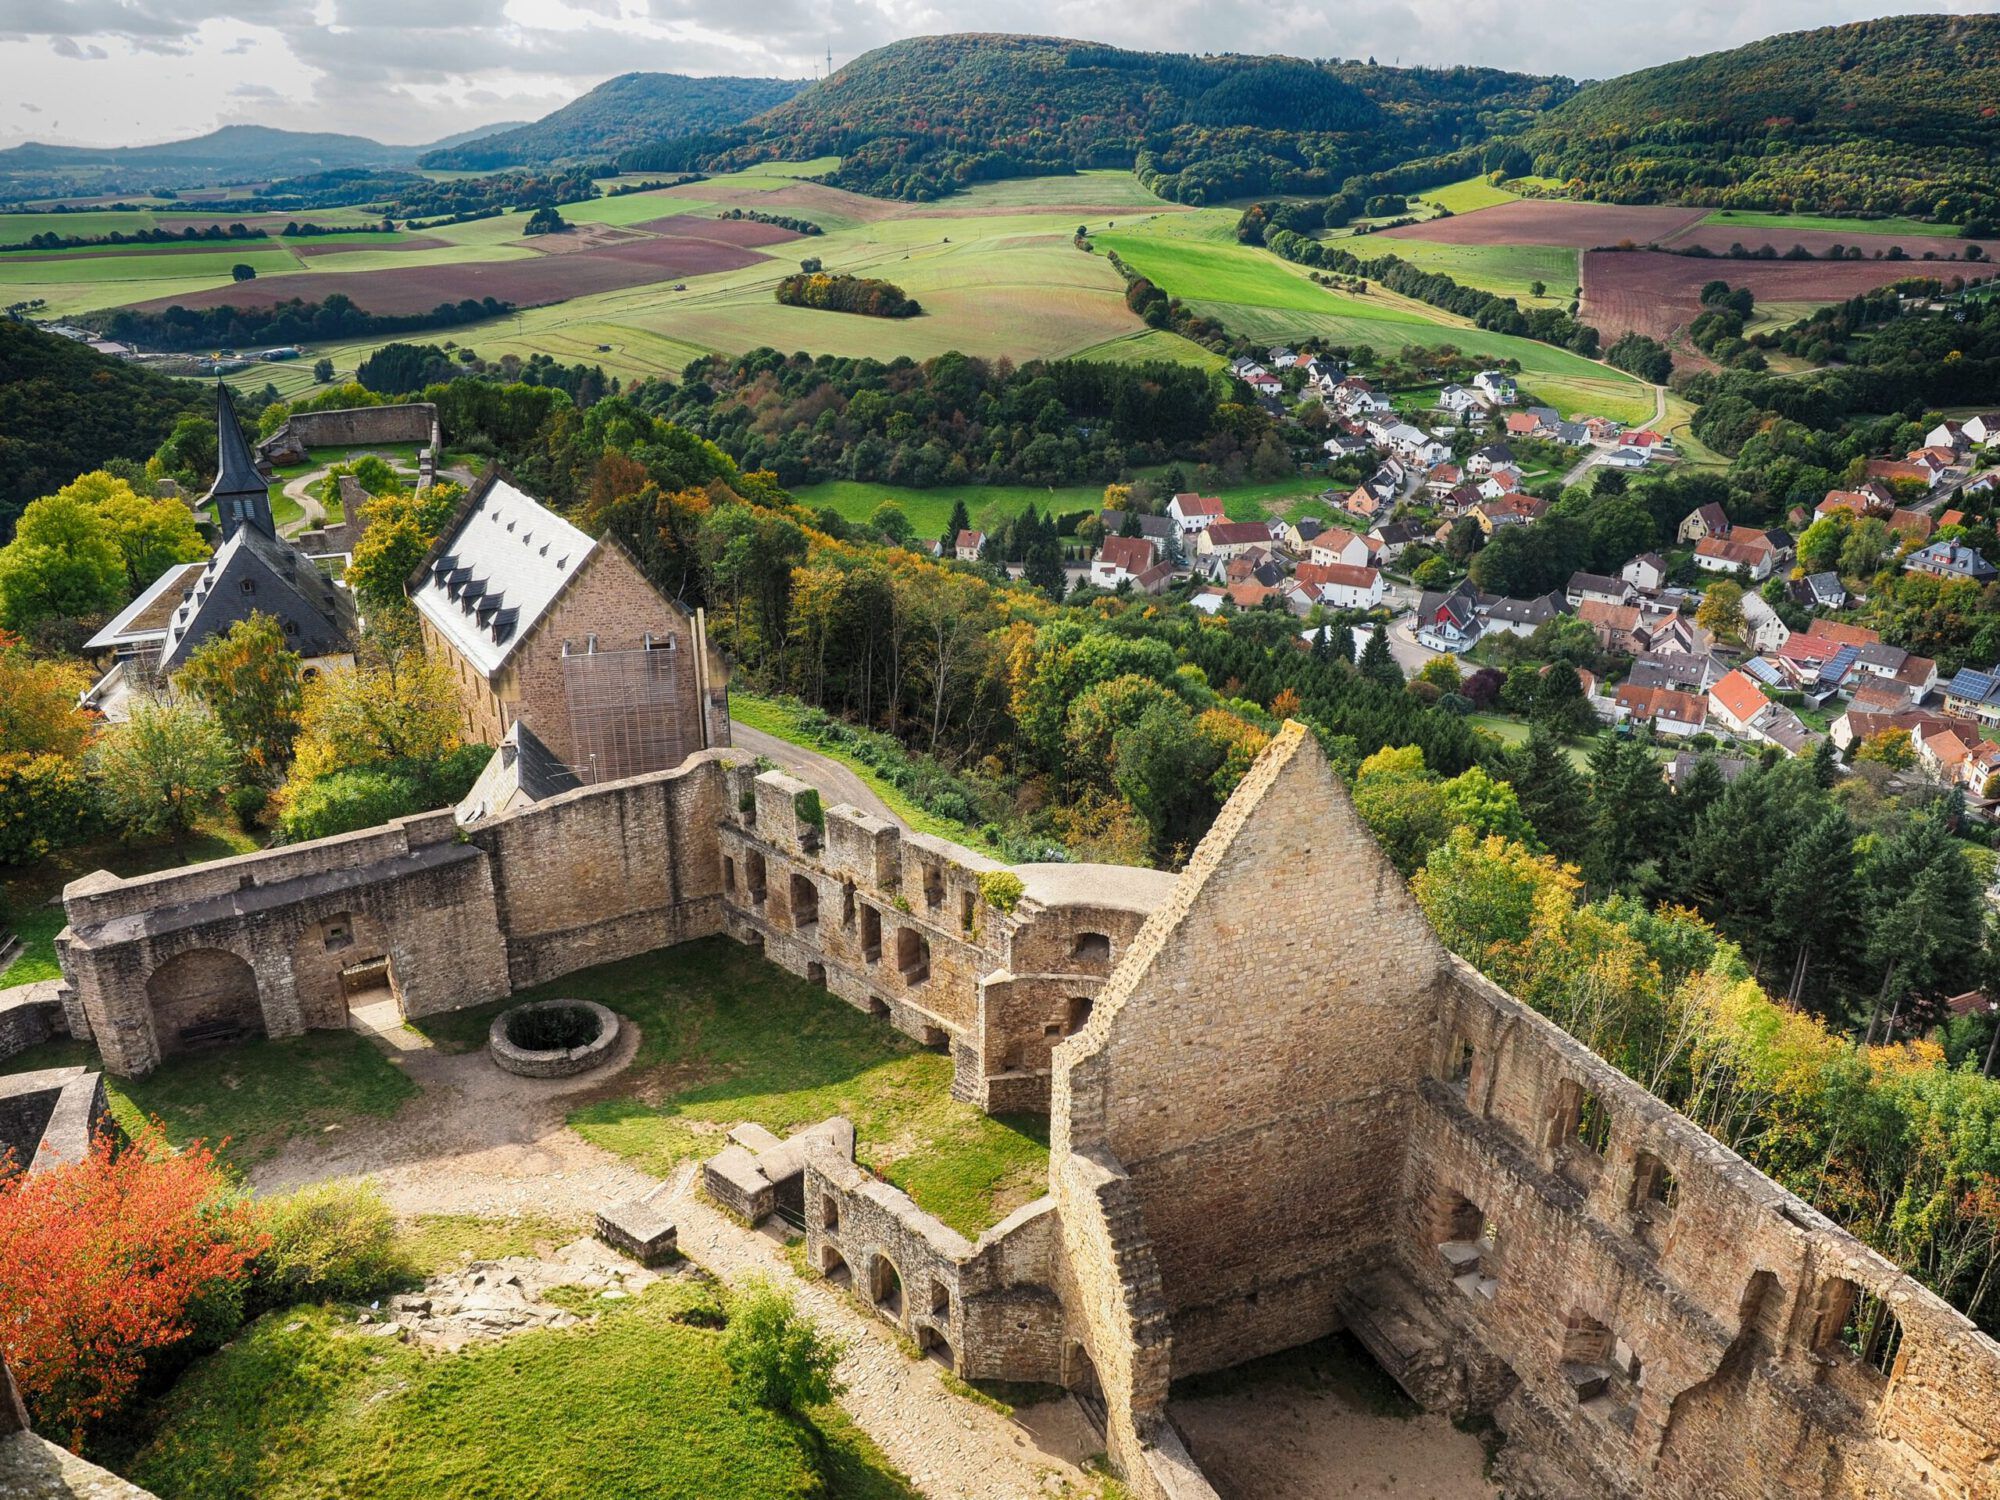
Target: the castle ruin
(1261, 1132)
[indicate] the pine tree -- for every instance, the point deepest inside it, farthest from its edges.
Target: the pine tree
(1813, 880)
(960, 521)
(1627, 809)
(1825, 769)
(1552, 793)
(1377, 663)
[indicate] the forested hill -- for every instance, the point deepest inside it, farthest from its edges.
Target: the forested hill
(1892, 116)
(919, 118)
(65, 408)
(627, 111)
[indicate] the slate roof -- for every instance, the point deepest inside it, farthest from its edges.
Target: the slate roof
(496, 571)
(144, 621)
(240, 492)
(255, 573)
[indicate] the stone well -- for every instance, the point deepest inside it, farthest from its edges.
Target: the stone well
(563, 1062)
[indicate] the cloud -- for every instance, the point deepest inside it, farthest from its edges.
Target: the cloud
(412, 70)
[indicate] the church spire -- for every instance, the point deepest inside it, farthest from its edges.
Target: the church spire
(239, 492)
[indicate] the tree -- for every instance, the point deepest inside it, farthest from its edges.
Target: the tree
(323, 371)
(1815, 877)
(1627, 812)
(108, 1262)
(1552, 793)
(1560, 702)
(38, 698)
(1487, 807)
(63, 563)
(960, 520)
(1891, 748)
(242, 271)
(250, 681)
(1443, 673)
(781, 1361)
(1378, 664)
(545, 220)
(1403, 805)
(395, 705)
(1721, 610)
(889, 520)
(152, 533)
(160, 769)
(402, 525)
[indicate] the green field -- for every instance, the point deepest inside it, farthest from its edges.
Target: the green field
(1254, 293)
(1464, 197)
(1153, 344)
(1747, 219)
(1504, 270)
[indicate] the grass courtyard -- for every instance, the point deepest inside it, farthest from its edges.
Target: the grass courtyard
(636, 1403)
(728, 1037)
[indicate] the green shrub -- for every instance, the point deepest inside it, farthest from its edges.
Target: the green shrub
(331, 1241)
(247, 804)
(1002, 889)
(364, 796)
(45, 803)
(807, 805)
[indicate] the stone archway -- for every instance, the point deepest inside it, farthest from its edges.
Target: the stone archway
(202, 998)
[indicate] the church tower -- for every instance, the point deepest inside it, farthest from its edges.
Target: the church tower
(241, 497)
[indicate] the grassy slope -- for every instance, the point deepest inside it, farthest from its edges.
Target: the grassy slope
(635, 1403)
(254, 1097)
(1255, 293)
(1464, 197)
(1743, 218)
(729, 1037)
(1505, 270)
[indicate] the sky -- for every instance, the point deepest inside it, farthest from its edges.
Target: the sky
(136, 72)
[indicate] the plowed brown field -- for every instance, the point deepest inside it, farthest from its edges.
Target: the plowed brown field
(1578, 226)
(1648, 291)
(1719, 237)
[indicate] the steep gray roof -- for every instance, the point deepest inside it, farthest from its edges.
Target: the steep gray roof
(255, 573)
(239, 493)
(495, 572)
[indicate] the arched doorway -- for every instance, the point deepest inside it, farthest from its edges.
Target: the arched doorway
(832, 1266)
(885, 1288)
(203, 998)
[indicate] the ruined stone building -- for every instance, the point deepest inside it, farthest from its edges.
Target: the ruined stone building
(548, 629)
(1259, 1134)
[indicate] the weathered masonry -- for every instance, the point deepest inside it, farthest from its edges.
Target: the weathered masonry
(1260, 1133)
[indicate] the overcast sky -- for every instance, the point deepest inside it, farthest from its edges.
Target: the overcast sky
(130, 72)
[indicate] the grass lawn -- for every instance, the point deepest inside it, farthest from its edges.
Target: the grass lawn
(781, 717)
(256, 1096)
(1505, 270)
(1747, 219)
(930, 510)
(636, 1403)
(1467, 196)
(1153, 344)
(1512, 732)
(26, 895)
(729, 1037)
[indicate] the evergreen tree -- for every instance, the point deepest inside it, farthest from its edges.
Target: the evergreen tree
(1814, 880)
(1552, 793)
(960, 521)
(1627, 809)
(1825, 769)
(1699, 790)
(1925, 938)
(1377, 663)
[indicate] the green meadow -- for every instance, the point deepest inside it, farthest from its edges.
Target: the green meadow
(1747, 219)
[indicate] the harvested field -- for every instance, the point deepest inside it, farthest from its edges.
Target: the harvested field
(1648, 291)
(1719, 237)
(313, 249)
(801, 200)
(602, 267)
(722, 231)
(115, 252)
(1528, 221)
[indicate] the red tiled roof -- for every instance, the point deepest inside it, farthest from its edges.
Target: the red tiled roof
(1345, 574)
(1132, 553)
(1191, 504)
(1740, 697)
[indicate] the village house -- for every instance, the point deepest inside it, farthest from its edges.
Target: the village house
(1508, 510)
(1647, 573)
(1345, 587)
(1389, 540)
(1763, 629)
(1595, 586)
(968, 545)
(1948, 434)
(1484, 460)
(1499, 481)
(1497, 387)
(1442, 480)
(1721, 554)
(1667, 711)
(1460, 401)
(1193, 513)
(1974, 695)
(1281, 358)
(1520, 616)
(1983, 428)
(1160, 530)
(1345, 445)
(1685, 671)
(1951, 560)
(1703, 521)
(1448, 620)
(1737, 701)
(1818, 591)
(1227, 539)
(1336, 544)
(1122, 559)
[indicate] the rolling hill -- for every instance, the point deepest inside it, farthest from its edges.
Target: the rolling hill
(630, 110)
(921, 118)
(1893, 116)
(234, 153)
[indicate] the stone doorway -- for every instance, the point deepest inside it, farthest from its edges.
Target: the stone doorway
(374, 999)
(203, 998)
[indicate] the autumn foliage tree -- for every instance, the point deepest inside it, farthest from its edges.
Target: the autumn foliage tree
(250, 681)
(105, 1263)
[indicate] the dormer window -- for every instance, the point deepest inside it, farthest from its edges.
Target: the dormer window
(248, 586)
(291, 627)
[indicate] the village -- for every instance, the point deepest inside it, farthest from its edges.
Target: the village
(1736, 677)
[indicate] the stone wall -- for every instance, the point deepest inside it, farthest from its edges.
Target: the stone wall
(50, 1116)
(354, 427)
(30, 1014)
(261, 942)
(897, 924)
(1267, 1133)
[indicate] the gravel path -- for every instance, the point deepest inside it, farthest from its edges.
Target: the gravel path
(836, 782)
(479, 1141)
